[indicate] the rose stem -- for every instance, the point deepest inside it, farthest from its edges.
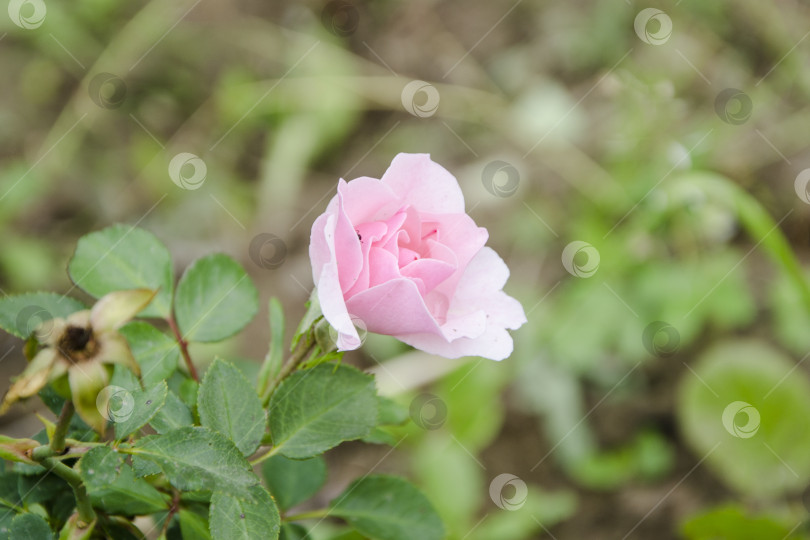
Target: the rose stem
(183, 349)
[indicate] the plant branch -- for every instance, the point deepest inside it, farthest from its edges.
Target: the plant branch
(312, 514)
(62, 424)
(270, 453)
(301, 353)
(183, 349)
(83, 506)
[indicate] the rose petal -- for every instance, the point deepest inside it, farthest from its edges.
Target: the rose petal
(366, 199)
(394, 307)
(423, 184)
(347, 250)
(319, 253)
(430, 271)
(495, 344)
(86, 381)
(480, 288)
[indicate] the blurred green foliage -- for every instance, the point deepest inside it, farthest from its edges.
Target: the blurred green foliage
(617, 143)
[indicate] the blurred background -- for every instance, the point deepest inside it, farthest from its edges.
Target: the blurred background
(642, 169)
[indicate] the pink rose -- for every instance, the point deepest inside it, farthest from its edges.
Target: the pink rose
(400, 255)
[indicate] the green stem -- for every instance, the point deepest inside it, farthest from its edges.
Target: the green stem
(312, 514)
(62, 424)
(301, 353)
(83, 506)
(267, 455)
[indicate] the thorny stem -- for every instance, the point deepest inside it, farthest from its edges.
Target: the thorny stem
(183, 349)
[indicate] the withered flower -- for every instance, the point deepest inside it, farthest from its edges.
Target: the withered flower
(81, 349)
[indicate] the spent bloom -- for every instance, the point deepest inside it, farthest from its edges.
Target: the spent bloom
(78, 349)
(400, 255)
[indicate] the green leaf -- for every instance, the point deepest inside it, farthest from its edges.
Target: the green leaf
(145, 404)
(40, 488)
(732, 522)
(388, 508)
(193, 525)
(120, 258)
(30, 526)
(156, 353)
(390, 413)
(215, 299)
(232, 518)
(21, 314)
(744, 409)
(197, 458)
(293, 531)
(174, 414)
(112, 485)
(317, 409)
(228, 403)
(292, 481)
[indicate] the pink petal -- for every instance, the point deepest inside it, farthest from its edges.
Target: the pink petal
(495, 344)
(319, 252)
(367, 199)
(423, 184)
(430, 271)
(393, 308)
(347, 246)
